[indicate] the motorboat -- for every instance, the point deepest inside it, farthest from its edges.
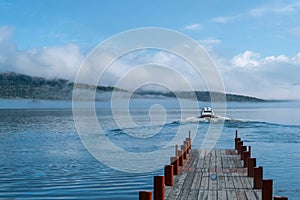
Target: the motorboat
(207, 112)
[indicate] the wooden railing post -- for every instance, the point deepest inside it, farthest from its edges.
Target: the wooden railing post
(258, 176)
(246, 155)
(175, 163)
(267, 189)
(251, 164)
(183, 149)
(169, 176)
(180, 156)
(159, 188)
(243, 149)
(145, 195)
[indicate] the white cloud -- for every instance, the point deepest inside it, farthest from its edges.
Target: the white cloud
(222, 20)
(193, 27)
(5, 33)
(274, 76)
(277, 9)
(209, 43)
(291, 8)
(246, 59)
(50, 62)
(270, 77)
(157, 66)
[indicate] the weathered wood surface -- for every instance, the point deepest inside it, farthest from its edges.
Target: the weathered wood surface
(195, 182)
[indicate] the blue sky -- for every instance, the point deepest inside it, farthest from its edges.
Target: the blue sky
(256, 41)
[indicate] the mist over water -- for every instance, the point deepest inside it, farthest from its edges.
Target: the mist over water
(42, 157)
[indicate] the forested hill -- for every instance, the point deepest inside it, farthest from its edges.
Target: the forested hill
(20, 86)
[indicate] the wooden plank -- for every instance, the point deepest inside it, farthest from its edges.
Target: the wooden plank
(197, 181)
(251, 194)
(222, 194)
(184, 193)
(203, 195)
(189, 180)
(193, 194)
(237, 182)
(231, 195)
(212, 183)
(221, 183)
(241, 195)
(258, 194)
(204, 183)
(228, 182)
(245, 182)
(194, 181)
(212, 194)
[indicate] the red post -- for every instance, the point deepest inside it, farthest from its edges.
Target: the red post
(190, 140)
(243, 149)
(169, 178)
(183, 149)
(159, 188)
(236, 143)
(258, 176)
(280, 198)
(175, 163)
(180, 156)
(186, 142)
(246, 155)
(239, 144)
(251, 164)
(236, 133)
(267, 189)
(249, 149)
(145, 195)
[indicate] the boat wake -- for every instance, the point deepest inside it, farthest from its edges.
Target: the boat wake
(216, 119)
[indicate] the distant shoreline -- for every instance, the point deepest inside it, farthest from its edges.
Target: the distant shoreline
(20, 86)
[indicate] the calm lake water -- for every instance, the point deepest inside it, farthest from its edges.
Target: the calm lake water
(42, 156)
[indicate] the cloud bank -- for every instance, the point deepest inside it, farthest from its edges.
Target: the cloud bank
(248, 73)
(49, 62)
(270, 77)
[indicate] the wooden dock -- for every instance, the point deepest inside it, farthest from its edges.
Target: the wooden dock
(214, 174)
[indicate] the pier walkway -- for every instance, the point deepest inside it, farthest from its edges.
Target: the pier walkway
(214, 174)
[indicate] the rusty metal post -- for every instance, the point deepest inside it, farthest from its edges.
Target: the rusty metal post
(159, 188)
(246, 155)
(183, 149)
(249, 149)
(251, 164)
(186, 143)
(190, 140)
(169, 178)
(239, 144)
(243, 149)
(258, 176)
(145, 195)
(267, 189)
(175, 163)
(235, 143)
(180, 156)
